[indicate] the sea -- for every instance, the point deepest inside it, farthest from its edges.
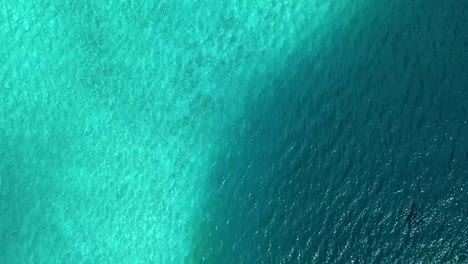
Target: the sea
(233, 131)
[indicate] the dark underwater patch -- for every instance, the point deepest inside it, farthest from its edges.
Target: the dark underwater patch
(325, 167)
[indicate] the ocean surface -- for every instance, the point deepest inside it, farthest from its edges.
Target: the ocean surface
(261, 131)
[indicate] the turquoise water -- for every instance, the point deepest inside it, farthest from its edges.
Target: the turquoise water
(233, 131)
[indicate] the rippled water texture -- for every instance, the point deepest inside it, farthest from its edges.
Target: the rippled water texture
(356, 154)
(233, 131)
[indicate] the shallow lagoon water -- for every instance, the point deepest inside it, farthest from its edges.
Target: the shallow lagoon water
(233, 132)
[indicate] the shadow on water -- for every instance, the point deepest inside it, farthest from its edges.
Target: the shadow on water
(355, 146)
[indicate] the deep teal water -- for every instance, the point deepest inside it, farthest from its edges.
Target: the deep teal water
(234, 131)
(359, 153)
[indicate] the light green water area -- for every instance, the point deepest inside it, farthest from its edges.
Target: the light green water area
(112, 112)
